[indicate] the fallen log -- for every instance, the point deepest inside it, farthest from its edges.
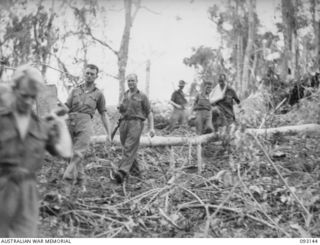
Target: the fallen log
(147, 141)
(295, 129)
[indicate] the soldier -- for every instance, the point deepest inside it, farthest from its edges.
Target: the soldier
(179, 102)
(221, 99)
(24, 138)
(202, 107)
(134, 109)
(82, 103)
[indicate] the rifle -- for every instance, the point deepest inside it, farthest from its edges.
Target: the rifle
(116, 128)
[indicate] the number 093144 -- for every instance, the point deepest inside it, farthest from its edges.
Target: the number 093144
(308, 240)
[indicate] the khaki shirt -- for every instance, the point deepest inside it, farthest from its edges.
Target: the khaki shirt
(86, 102)
(179, 98)
(29, 152)
(202, 102)
(135, 106)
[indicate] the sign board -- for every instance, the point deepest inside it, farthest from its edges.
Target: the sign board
(47, 99)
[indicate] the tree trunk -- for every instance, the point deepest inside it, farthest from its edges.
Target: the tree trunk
(318, 45)
(315, 26)
(238, 53)
(287, 11)
(148, 78)
(249, 49)
(124, 47)
(239, 64)
(304, 56)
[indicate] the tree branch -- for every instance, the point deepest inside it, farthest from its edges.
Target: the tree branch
(103, 43)
(134, 15)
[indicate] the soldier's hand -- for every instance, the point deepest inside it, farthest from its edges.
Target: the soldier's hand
(152, 133)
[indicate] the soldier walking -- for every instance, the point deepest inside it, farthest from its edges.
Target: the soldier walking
(134, 109)
(179, 102)
(82, 103)
(202, 107)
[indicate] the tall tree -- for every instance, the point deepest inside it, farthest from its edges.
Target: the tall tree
(131, 9)
(289, 28)
(249, 48)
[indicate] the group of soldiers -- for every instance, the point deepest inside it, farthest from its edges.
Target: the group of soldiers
(25, 136)
(213, 107)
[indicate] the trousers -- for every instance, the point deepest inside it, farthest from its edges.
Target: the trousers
(178, 117)
(19, 210)
(130, 132)
(203, 122)
(80, 128)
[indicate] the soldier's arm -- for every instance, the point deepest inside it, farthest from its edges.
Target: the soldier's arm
(173, 101)
(151, 124)
(101, 106)
(69, 100)
(147, 108)
(106, 123)
(59, 139)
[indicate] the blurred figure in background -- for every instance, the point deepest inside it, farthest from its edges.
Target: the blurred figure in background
(221, 99)
(179, 102)
(202, 107)
(24, 138)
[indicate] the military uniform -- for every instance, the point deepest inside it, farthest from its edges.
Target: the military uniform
(134, 110)
(178, 115)
(202, 107)
(19, 160)
(82, 105)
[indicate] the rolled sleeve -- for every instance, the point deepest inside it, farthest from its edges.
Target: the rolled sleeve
(146, 106)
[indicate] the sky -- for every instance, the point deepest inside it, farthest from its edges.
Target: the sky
(163, 32)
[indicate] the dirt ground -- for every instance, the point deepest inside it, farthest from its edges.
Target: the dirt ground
(237, 194)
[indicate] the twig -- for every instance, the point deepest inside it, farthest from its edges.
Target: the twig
(168, 219)
(155, 195)
(283, 180)
(198, 198)
(210, 217)
(92, 214)
(238, 211)
(140, 196)
(118, 230)
(277, 107)
(258, 204)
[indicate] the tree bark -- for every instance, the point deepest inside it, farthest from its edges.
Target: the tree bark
(249, 49)
(287, 11)
(239, 55)
(124, 48)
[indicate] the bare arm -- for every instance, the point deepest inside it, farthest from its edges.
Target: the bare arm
(151, 124)
(173, 99)
(106, 124)
(175, 105)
